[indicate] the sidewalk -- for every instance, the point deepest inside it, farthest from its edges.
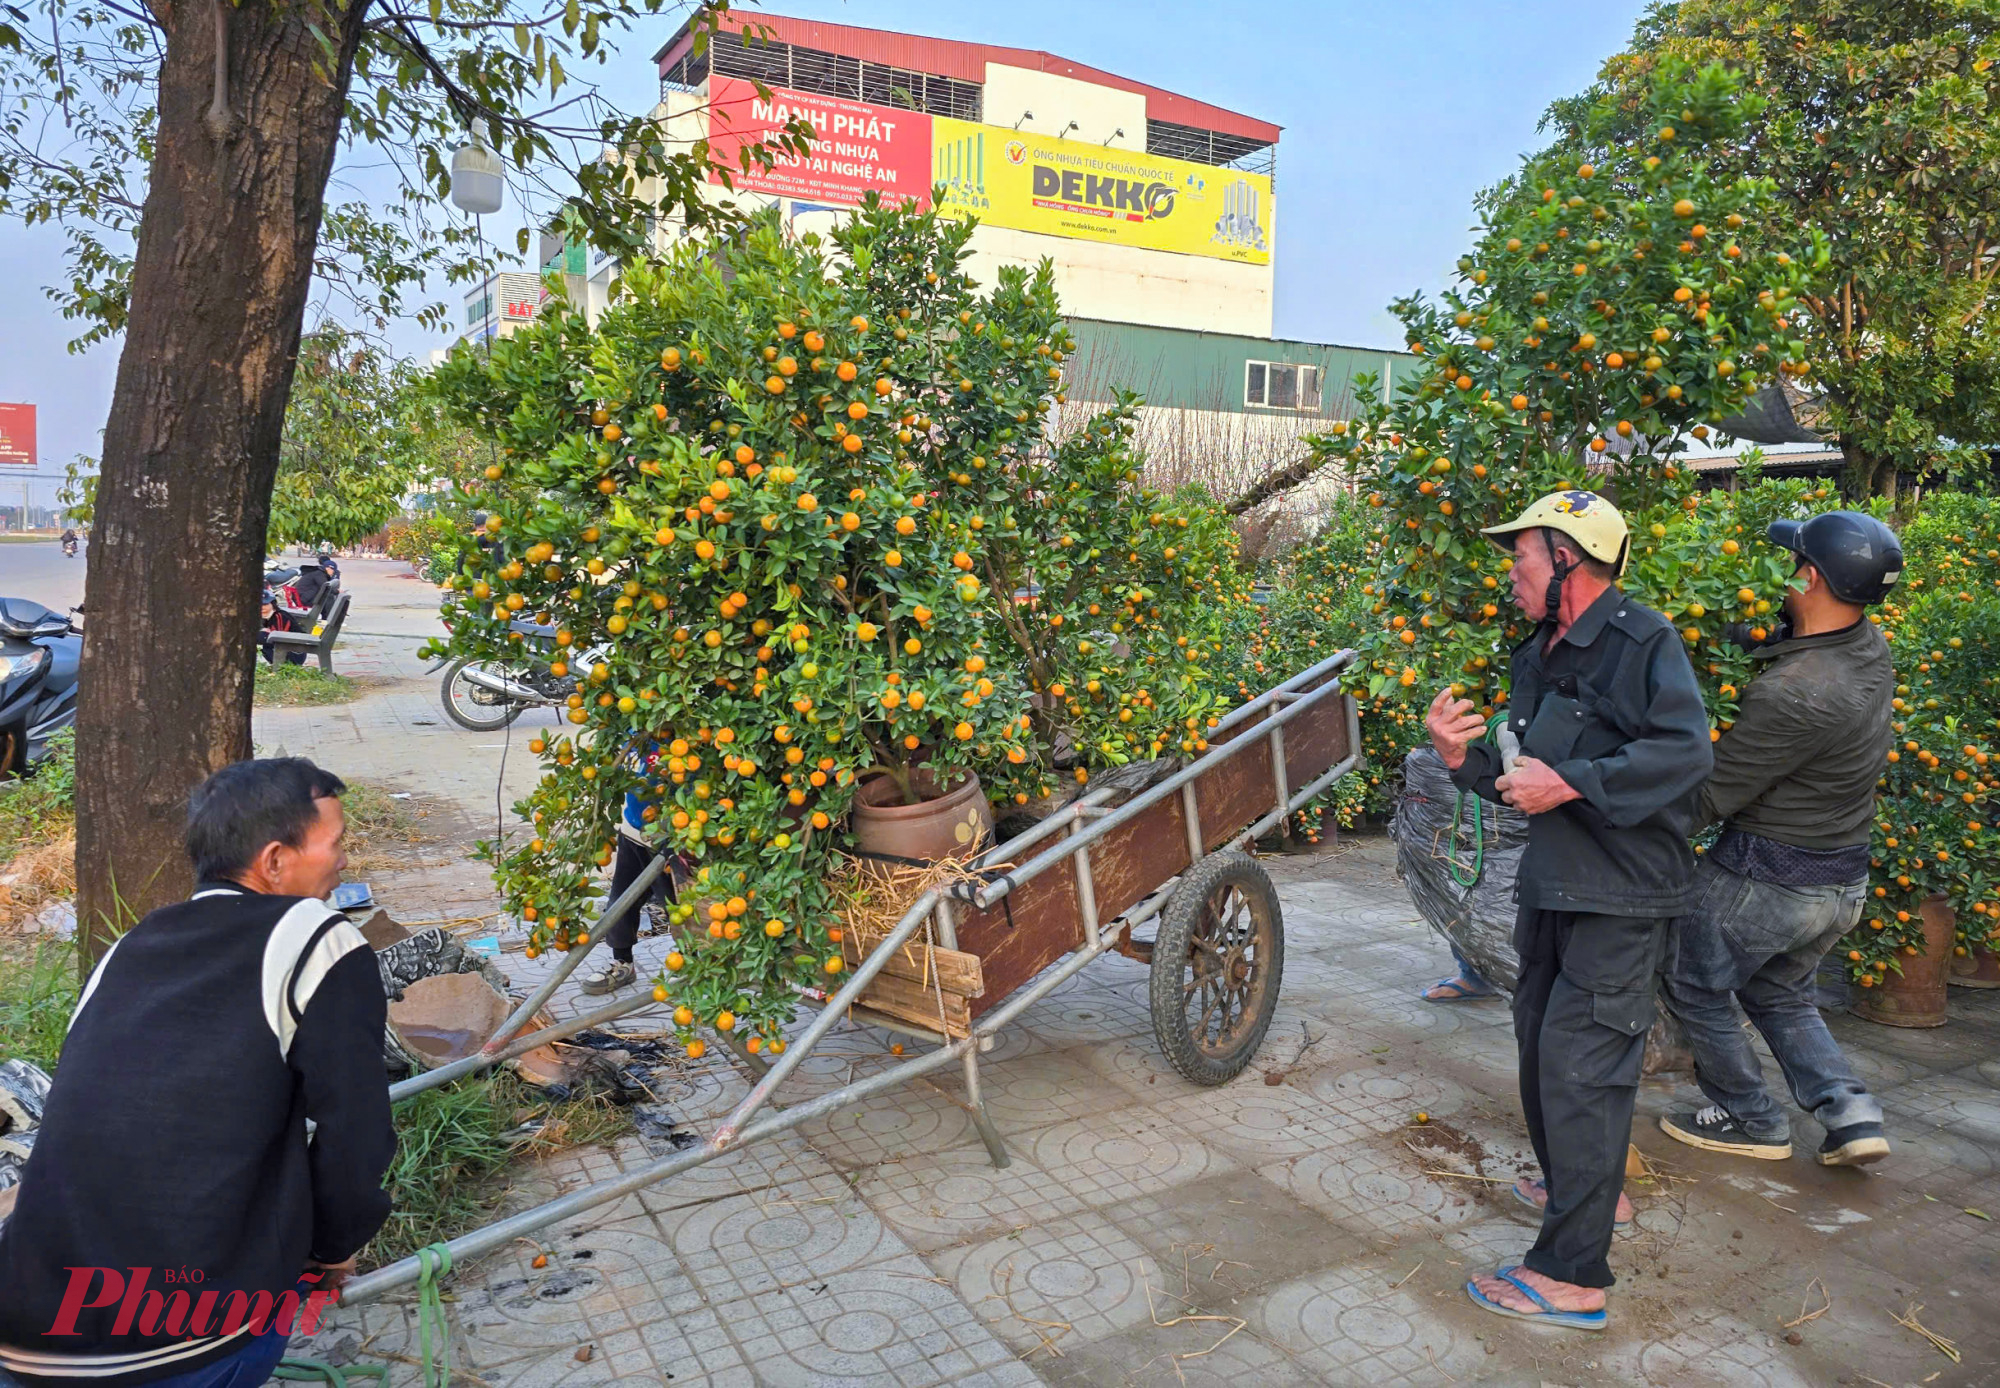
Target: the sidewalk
(1269, 1232)
(1297, 1226)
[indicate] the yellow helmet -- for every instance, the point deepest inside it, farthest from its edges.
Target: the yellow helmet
(1585, 517)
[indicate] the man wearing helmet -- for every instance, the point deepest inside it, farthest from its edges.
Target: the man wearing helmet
(1794, 788)
(1613, 747)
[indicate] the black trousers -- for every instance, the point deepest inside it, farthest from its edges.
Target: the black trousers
(630, 860)
(1582, 1009)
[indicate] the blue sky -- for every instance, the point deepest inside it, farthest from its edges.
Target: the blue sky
(1394, 115)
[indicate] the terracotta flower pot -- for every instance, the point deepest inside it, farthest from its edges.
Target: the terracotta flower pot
(949, 823)
(1916, 997)
(1980, 968)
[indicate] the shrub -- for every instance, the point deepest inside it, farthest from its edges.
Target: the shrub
(1934, 834)
(798, 494)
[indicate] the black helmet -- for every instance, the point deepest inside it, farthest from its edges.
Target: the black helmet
(1859, 557)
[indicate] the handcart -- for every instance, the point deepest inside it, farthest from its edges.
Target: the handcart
(1077, 885)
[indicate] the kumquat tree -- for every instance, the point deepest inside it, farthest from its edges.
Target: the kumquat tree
(1934, 833)
(1621, 298)
(805, 503)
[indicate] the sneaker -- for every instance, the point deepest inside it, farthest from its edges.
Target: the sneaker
(1713, 1130)
(1857, 1144)
(618, 974)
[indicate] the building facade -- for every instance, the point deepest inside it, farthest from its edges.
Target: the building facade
(502, 303)
(1155, 208)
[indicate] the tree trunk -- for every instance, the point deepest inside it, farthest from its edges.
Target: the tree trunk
(225, 255)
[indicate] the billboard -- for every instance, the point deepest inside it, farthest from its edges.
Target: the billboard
(859, 148)
(17, 435)
(1004, 178)
(1094, 193)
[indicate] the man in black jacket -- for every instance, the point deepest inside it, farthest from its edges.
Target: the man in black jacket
(1794, 785)
(1613, 747)
(213, 1147)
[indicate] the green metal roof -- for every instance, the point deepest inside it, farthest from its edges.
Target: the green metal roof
(1200, 370)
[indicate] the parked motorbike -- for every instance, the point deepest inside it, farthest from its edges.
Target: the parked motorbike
(39, 651)
(484, 696)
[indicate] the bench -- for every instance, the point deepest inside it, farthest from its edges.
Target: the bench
(320, 645)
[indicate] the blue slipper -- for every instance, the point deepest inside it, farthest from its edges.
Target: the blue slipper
(1516, 1188)
(1571, 1320)
(1459, 992)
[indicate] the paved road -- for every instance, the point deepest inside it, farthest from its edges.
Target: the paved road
(37, 570)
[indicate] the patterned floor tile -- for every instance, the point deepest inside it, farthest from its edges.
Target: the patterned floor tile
(958, 1196)
(1220, 1240)
(751, 1245)
(1259, 1123)
(921, 1119)
(1383, 1098)
(1353, 1327)
(1122, 1155)
(1039, 1090)
(891, 1322)
(1065, 1282)
(1710, 1349)
(1361, 1186)
(1184, 1352)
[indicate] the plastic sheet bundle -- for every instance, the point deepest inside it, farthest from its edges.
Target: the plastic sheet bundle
(1459, 856)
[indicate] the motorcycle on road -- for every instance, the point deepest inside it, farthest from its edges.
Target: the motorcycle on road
(484, 696)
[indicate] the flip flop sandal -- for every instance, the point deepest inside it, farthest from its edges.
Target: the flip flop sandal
(1516, 1188)
(1547, 1315)
(1459, 992)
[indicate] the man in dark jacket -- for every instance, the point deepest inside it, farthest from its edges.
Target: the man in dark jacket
(212, 1151)
(1613, 748)
(1794, 786)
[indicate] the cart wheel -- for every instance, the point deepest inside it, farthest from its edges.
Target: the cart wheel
(1217, 963)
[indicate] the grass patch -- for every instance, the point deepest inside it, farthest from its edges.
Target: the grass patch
(38, 991)
(42, 808)
(280, 686)
(38, 833)
(453, 1147)
(380, 828)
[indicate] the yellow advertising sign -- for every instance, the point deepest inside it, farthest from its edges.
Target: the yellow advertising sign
(1093, 193)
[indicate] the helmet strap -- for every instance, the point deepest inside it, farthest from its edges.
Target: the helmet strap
(1559, 571)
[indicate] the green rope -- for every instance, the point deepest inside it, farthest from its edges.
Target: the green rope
(1451, 862)
(433, 1264)
(1478, 841)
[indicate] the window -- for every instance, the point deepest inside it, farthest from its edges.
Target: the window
(1281, 386)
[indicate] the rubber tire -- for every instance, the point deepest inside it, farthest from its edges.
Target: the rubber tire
(493, 725)
(1170, 950)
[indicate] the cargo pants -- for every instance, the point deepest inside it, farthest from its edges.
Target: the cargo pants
(1582, 1009)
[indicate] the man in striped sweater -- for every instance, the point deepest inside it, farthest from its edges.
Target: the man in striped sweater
(211, 1157)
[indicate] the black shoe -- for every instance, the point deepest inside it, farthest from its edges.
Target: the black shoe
(1713, 1130)
(1857, 1144)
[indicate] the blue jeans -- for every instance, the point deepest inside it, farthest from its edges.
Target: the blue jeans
(1760, 944)
(1468, 974)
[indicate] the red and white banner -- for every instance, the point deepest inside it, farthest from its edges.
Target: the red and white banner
(17, 435)
(857, 147)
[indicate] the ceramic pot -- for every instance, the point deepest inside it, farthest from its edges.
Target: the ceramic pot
(1980, 968)
(1915, 997)
(953, 822)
